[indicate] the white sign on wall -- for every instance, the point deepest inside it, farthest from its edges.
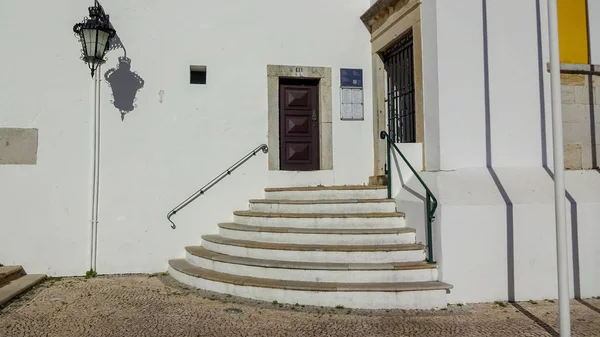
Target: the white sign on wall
(352, 104)
(351, 92)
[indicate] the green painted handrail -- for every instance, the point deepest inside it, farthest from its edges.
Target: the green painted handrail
(431, 201)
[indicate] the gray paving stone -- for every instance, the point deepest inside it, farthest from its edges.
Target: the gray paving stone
(159, 306)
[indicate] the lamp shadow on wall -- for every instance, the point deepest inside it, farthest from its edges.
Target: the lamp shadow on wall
(123, 82)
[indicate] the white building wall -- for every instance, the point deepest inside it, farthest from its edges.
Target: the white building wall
(513, 83)
(44, 208)
(460, 81)
(178, 137)
(431, 102)
(594, 28)
(513, 78)
(494, 234)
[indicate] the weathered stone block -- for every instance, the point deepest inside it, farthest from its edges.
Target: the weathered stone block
(582, 95)
(378, 180)
(587, 159)
(576, 133)
(573, 157)
(596, 93)
(18, 146)
(596, 84)
(567, 94)
(572, 79)
(576, 113)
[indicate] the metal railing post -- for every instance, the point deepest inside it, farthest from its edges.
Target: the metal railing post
(389, 172)
(431, 201)
(429, 231)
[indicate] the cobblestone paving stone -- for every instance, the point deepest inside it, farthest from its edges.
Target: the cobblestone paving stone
(159, 306)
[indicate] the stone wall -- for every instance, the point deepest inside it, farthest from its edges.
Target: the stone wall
(18, 146)
(581, 119)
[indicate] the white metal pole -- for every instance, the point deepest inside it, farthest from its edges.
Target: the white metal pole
(559, 173)
(97, 163)
(93, 182)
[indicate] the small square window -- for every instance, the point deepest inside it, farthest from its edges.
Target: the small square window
(198, 74)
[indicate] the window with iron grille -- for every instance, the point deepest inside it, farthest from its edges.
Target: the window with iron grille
(398, 62)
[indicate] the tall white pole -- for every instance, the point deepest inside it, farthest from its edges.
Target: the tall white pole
(97, 163)
(93, 182)
(559, 174)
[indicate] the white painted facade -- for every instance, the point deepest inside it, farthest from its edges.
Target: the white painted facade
(494, 235)
(487, 138)
(594, 13)
(178, 138)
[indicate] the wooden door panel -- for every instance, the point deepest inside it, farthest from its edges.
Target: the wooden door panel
(297, 98)
(299, 126)
(298, 151)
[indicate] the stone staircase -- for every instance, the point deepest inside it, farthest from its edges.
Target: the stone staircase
(324, 246)
(14, 282)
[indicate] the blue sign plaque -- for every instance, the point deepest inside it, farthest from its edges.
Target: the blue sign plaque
(351, 78)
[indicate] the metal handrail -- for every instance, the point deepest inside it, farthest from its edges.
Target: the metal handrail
(431, 201)
(263, 147)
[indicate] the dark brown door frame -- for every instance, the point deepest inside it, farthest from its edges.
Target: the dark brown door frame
(299, 139)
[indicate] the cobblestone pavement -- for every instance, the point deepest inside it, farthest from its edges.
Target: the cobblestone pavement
(159, 306)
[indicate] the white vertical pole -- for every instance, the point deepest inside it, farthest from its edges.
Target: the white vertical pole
(97, 163)
(559, 173)
(93, 183)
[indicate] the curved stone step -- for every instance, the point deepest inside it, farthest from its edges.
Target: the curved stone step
(315, 253)
(18, 286)
(413, 295)
(312, 271)
(321, 220)
(327, 192)
(323, 206)
(325, 236)
(10, 273)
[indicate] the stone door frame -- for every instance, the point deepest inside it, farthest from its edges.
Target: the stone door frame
(387, 21)
(323, 74)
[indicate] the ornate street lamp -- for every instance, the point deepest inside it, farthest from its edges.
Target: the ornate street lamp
(94, 33)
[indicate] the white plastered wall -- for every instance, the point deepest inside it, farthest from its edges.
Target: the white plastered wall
(594, 28)
(494, 235)
(178, 137)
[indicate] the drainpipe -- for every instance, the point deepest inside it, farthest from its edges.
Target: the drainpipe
(559, 173)
(95, 172)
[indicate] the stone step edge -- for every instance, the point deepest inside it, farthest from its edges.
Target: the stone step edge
(321, 202)
(10, 273)
(325, 188)
(204, 253)
(305, 247)
(319, 215)
(19, 286)
(306, 230)
(183, 266)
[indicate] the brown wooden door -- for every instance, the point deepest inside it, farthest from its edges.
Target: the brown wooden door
(298, 125)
